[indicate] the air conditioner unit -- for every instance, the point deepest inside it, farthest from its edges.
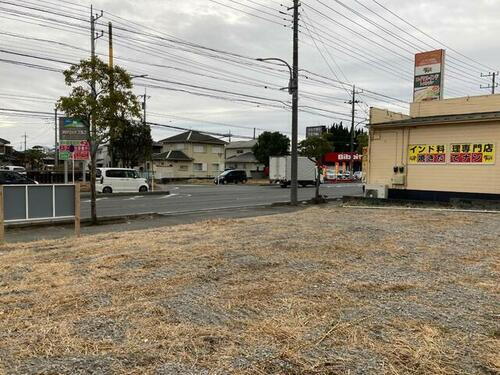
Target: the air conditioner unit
(376, 191)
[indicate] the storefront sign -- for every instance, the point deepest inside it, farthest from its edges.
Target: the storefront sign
(334, 157)
(315, 131)
(429, 75)
(427, 154)
(81, 150)
(472, 153)
(71, 129)
(73, 132)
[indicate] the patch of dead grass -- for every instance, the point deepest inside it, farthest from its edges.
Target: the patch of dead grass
(290, 294)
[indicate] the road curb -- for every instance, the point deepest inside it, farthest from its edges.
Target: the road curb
(132, 194)
(101, 221)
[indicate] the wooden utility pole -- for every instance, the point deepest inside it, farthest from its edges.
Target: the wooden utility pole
(77, 210)
(2, 228)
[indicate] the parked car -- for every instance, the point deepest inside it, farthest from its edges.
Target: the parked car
(14, 178)
(14, 168)
(119, 180)
(231, 176)
(358, 175)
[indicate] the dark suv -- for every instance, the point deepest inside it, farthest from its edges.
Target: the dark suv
(231, 176)
(14, 178)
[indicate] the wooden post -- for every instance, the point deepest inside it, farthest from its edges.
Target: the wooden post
(77, 210)
(2, 229)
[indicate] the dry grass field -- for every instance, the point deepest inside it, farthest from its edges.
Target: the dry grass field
(326, 290)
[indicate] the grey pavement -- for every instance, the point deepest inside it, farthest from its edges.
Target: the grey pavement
(184, 198)
(185, 204)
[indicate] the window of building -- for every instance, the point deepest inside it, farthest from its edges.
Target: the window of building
(216, 149)
(197, 167)
(198, 148)
(215, 167)
(183, 167)
(178, 146)
(239, 151)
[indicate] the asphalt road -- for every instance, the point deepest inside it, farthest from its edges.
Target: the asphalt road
(186, 198)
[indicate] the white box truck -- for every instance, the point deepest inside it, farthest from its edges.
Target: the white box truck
(280, 168)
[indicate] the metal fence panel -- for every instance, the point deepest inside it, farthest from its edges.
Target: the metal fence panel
(14, 203)
(65, 200)
(40, 202)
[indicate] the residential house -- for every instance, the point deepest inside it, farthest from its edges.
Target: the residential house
(239, 155)
(6, 151)
(189, 155)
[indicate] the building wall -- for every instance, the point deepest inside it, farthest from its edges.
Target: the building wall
(456, 106)
(236, 151)
(389, 148)
(378, 115)
(172, 169)
(206, 155)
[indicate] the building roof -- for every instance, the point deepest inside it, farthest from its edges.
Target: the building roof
(247, 157)
(193, 136)
(174, 155)
(242, 144)
(442, 119)
(4, 141)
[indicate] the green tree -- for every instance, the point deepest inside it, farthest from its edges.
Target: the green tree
(314, 148)
(33, 158)
(100, 96)
(131, 143)
(340, 138)
(270, 144)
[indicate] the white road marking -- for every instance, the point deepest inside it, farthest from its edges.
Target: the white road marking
(134, 198)
(175, 195)
(97, 200)
(167, 196)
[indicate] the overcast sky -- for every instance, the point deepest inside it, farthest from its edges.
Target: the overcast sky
(365, 45)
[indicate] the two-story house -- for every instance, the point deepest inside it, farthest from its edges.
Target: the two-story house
(189, 155)
(239, 155)
(6, 151)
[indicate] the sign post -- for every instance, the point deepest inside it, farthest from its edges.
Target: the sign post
(73, 143)
(429, 76)
(77, 210)
(2, 229)
(72, 151)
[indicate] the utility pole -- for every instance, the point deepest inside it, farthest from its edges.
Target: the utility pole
(295, 104)
(353, 103)
(56, 147)
(110, 40)
(144, 97)
(25, 136)
(111, 88)
(254, 133)
(494, 83)
(93, 131)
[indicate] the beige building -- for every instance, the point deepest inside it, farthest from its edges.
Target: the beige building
(443, 149)
(239, 155)
(189, 155)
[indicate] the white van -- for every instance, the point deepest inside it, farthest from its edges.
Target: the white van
(14, 168)
(119, 180)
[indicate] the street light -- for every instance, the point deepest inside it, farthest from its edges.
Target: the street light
(290, 82)
(293, 90)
